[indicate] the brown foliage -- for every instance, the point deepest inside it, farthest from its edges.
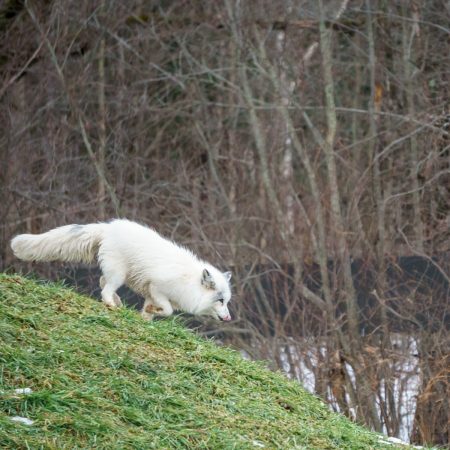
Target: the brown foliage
(269, 136)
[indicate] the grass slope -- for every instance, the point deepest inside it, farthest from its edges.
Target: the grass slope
(107, 379)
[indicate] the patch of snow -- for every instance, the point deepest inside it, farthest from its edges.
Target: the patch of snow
(258, 444)
(23, 420)
(24, 391)
(397, 441)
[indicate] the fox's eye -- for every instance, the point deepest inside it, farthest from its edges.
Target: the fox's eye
(220, 300)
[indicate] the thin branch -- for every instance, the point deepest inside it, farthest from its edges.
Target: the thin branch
(75, 109)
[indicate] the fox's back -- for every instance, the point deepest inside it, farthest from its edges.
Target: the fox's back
(143, 249)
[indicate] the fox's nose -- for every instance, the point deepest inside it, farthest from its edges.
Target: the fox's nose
(226, 318)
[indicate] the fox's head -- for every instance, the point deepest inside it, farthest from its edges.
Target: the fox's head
(217, 293)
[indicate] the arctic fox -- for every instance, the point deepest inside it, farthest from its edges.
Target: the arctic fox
(168, 276)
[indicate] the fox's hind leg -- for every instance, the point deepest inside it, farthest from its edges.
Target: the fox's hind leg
(116, 298)
(109, 283)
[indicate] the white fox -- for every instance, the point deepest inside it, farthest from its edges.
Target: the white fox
(168, 276)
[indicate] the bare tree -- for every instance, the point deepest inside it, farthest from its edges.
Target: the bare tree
(304, 144)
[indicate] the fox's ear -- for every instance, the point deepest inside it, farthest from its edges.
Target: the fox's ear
(207, 280)
(227, 275)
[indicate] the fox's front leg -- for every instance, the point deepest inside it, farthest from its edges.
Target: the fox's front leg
(157, 303)
(149, 309)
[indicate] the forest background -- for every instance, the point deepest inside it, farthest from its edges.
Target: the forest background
(303, 144)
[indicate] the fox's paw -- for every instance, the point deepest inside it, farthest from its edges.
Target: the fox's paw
(149, 311)
(147, 316)
(113, 302)
(110, 305)
(152, 309)
(117, 301)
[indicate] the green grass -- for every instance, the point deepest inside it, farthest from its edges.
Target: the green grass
(109, 380)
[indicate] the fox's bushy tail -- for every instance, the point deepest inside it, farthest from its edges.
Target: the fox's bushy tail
(71, 243)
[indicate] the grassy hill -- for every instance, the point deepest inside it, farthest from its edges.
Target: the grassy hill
(108, 379)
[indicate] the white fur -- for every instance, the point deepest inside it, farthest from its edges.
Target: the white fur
(168, 276)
